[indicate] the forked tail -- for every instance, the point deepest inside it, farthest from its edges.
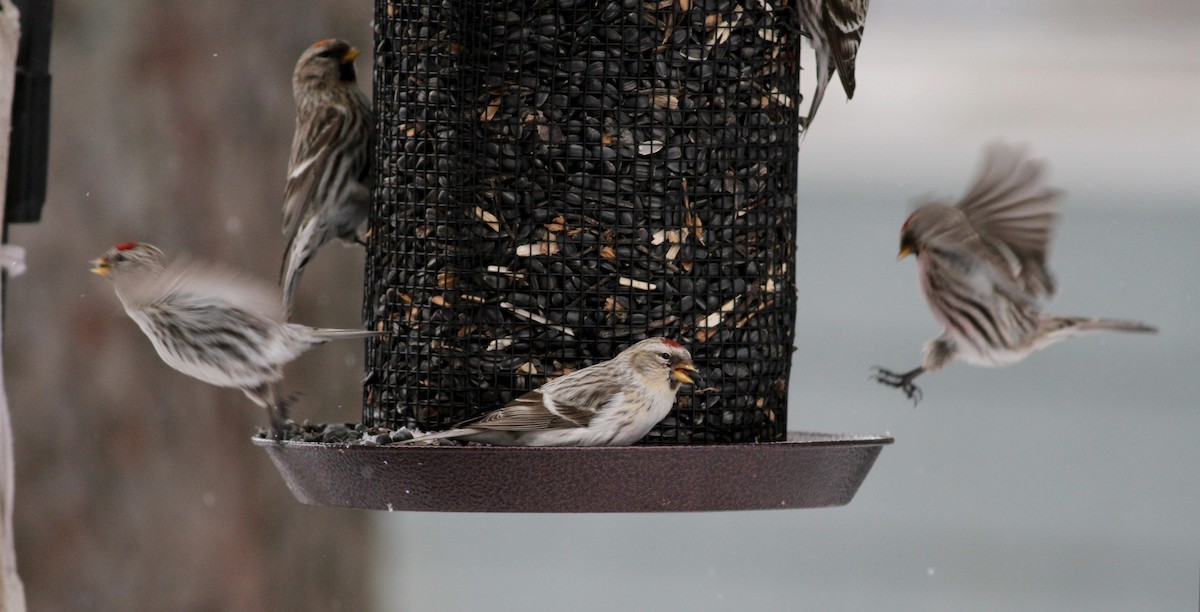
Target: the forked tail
(300, 249)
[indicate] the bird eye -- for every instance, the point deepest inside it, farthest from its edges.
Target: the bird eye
(326, 53)
(665, 356)
(119, 257)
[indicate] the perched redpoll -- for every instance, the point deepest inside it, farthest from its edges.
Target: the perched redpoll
(612, 403)
(328, 193)
(836, 29)
(983, 270)
(212, 324)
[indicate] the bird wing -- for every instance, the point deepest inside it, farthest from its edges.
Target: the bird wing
(987, 273)
(526, 413)
(1014, 216)
(196, 286)
(844, 22)
(566, 402)
(311, 149)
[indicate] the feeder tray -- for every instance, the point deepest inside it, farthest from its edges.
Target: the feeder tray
(809, 470)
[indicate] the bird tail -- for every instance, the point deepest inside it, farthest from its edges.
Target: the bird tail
(824, 73)
(345, 334)
(438, 435)
(300, 249)
(1057, 328)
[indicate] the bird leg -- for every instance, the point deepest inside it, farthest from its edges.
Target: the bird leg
(276, 407)
(903, 381)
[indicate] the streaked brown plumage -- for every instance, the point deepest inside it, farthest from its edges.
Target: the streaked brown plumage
(612, 403)
(211, 323)
(836, 30)
(328, 189)
(983, 270)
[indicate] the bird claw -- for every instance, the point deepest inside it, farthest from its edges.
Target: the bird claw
(903, 382)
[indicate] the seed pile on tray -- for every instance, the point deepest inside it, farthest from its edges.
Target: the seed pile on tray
(336, 433)
(560, 179)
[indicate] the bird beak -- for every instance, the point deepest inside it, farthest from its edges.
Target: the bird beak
(685, 373)
(350, 55)
(100, 266)
(905, 251)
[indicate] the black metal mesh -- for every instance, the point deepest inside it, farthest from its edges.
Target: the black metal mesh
(557, 180)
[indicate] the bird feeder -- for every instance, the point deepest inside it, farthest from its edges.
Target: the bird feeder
(556, 180)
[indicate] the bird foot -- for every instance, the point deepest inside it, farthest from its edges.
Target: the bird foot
(903, 382)
(360, 238)
(278, 415)
(278, 424)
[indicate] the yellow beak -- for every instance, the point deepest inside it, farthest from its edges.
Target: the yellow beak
(350, 55)
(685, 373)
(100, 266)
(905, 251)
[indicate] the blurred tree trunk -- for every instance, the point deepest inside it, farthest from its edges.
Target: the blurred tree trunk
(140, 490)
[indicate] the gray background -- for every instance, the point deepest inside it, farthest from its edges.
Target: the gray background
(1066, 482)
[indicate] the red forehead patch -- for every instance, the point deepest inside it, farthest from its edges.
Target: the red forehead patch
(125, 246)
(907, 222)
(671, 343)
(321, 43)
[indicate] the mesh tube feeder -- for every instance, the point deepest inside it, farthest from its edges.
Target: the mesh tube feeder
(555, 181)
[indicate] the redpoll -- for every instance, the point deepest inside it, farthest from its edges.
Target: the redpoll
(836, 29)
(212, 324)
(328, 189)
(983, 270)
(612, 403)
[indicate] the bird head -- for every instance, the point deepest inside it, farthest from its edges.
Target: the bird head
(928, 224)
(661, 361)
(129, 257)
(326, 63)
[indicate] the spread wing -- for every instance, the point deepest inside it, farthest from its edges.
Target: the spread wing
(195, 287)
(311, 148)
(1014, 215)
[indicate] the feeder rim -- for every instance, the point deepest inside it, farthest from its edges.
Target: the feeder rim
(808, 470)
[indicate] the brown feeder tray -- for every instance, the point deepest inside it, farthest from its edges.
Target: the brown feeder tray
(809, 470)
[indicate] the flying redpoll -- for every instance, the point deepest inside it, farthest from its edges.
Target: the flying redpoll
(328, 191)
(836, 29)
(612, 403)
(212, 324)
(983, 270)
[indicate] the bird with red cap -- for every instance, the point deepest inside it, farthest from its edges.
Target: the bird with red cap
(611, 403)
